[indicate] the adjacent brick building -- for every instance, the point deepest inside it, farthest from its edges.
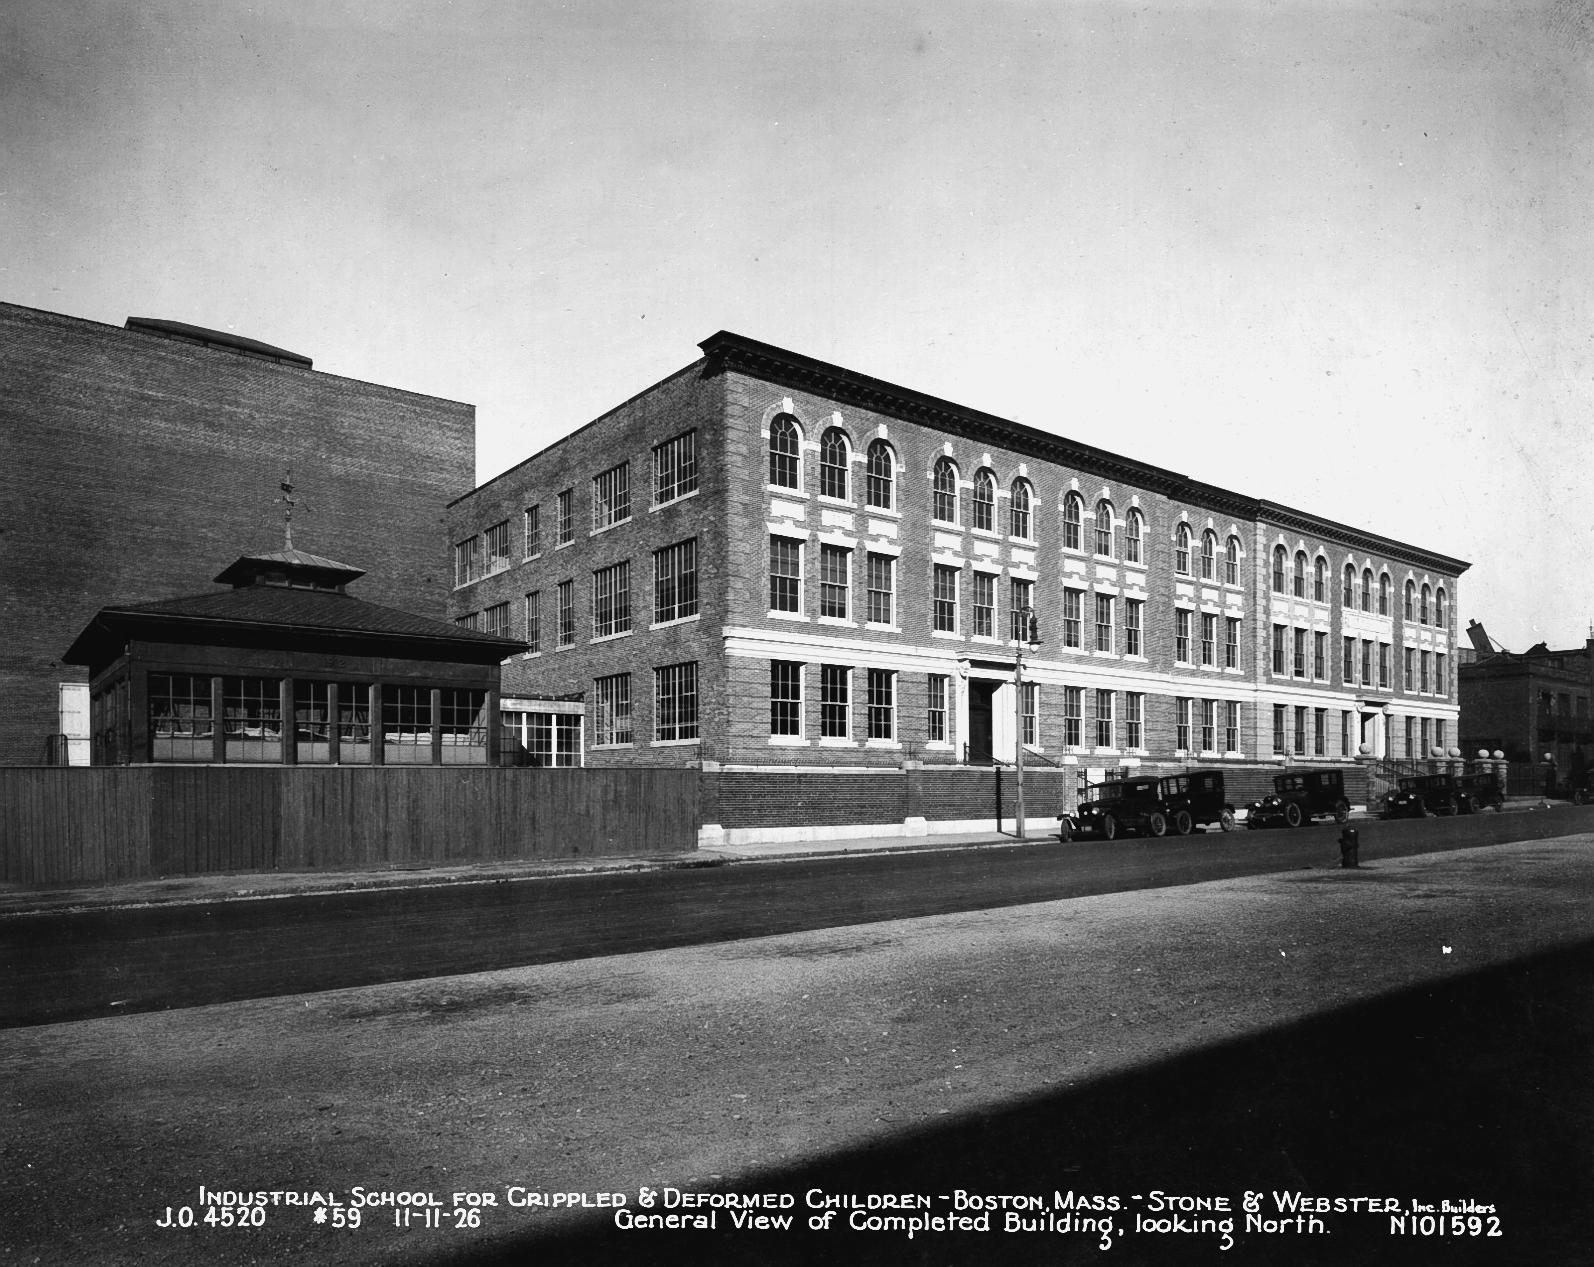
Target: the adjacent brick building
(1529, 704)
(131, 458)
(769, 563)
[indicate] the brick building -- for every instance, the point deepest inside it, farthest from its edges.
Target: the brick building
(766, 562)
(1529, 704)
(131, 458)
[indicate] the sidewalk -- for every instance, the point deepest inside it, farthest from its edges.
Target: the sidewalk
(21, 900)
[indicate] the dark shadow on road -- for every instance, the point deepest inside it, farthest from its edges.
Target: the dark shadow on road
(1481, 1089)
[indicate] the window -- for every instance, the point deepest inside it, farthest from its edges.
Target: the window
(1104, 719)
(1299, 586)
(1347, 667)
(1073, 715)
(406, 725)
(1320, 656)
(944, 598)
(1439, 675)
(470, 620)
(1423, 664)
(833, 682)
(785, 575)
(1300, 730)
(675, 582)
(1181, 636)
(1427, 730)
(468, 561)
(1439, 732)
(1028, 702)
(1104, 528)
(785, 697)
(567, 517)
(835, 581)
(1281, 729)
(567, 613)
(1439, 608)
(1134, 719)
(882, 583)
(611, 600)
(785, 453)
(675, 474)
(1411, 601)
(1409, 675)
(1231, 726)
(1383, 594)
(675, 702)
(1021, 597)
(1132, 621)
(944, 491)
(1411, 737)
(1181, 550)
(1348, 596)
(495, 620)
(1103, 622)
(534, 621)
(1231, 562)
(1209, 725)
(532, 527)
(1320, 580)
(1231, 642)
(984, 605)
(1422, 610)
(1279, 557)
(180, 724)
(611, 715)
(1134, 532)
(315, 718)
(1299, 659)
(1073, 604)
(462, 723)
(1209, 555)
(1367, 589)
(833, 460)
(1019, 517)
(879, 476)
(497, 539)
(936, 722)
(1278, 649)
(1383, 665)
(882, 704)
(1320, 732)
(984, 503)
(1345, 735)
(1073, 520)
(1367, 663)
(1183, 717)
(611, 497)
(1209, 639)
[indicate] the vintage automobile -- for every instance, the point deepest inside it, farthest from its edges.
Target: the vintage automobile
(1418, 795)
(1298, 797)
(1481, 791)
(1118, 806)
(1196, 799)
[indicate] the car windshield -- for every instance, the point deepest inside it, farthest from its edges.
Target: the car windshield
(1107, 792)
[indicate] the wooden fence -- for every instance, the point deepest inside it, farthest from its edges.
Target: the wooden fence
(61, 825)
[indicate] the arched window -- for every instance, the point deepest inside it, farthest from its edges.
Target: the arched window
(1280, 557)
(1367, 589)
(944, 502)
(984, 503)
(1231, 562)
(1320, 580)
(1019, 519)
(1104, 528)
(1209, 555)
(1134, 530)
(1073, 517)
(1181, 549)
(833, 463)
(1348, 594)
(1439, 607)
(1300, 574)
(785, 450)
(1383, 593)
(1411, 600)
(881, 471)
(1422, 611)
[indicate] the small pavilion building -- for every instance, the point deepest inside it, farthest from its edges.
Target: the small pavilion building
(285, 667)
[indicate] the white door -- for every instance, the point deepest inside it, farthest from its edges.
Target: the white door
(74, 721)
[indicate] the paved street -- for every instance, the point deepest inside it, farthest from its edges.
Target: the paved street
(1416, 1030)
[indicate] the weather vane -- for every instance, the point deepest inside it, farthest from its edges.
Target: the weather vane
(288, 503)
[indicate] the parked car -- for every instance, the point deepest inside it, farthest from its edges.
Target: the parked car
(1196, 799)
(1418, 795)
(1299, 797)
(1116, 807)
(1481, 791)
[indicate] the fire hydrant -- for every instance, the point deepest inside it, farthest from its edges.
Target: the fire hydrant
(1349, 845)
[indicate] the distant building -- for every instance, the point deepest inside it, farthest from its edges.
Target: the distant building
(286, 667)
(132, 458)
(765, 562)
(1529, 704)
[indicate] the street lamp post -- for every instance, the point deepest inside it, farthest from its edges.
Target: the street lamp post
(1029, 632)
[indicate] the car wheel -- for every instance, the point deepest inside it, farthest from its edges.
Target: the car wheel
(1341, 811)
(1580, 797)
(1063, 834)
(1292, 814)
(1109, 827)
(1226, 820)
(1182, 822)
(1422, 810)
(1157, 824)
(1466, 806)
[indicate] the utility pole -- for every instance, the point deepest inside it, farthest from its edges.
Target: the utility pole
(1028, 632)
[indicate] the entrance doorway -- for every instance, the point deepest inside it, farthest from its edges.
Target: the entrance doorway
(981, 709)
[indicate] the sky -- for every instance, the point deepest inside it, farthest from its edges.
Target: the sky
(1339, 255)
